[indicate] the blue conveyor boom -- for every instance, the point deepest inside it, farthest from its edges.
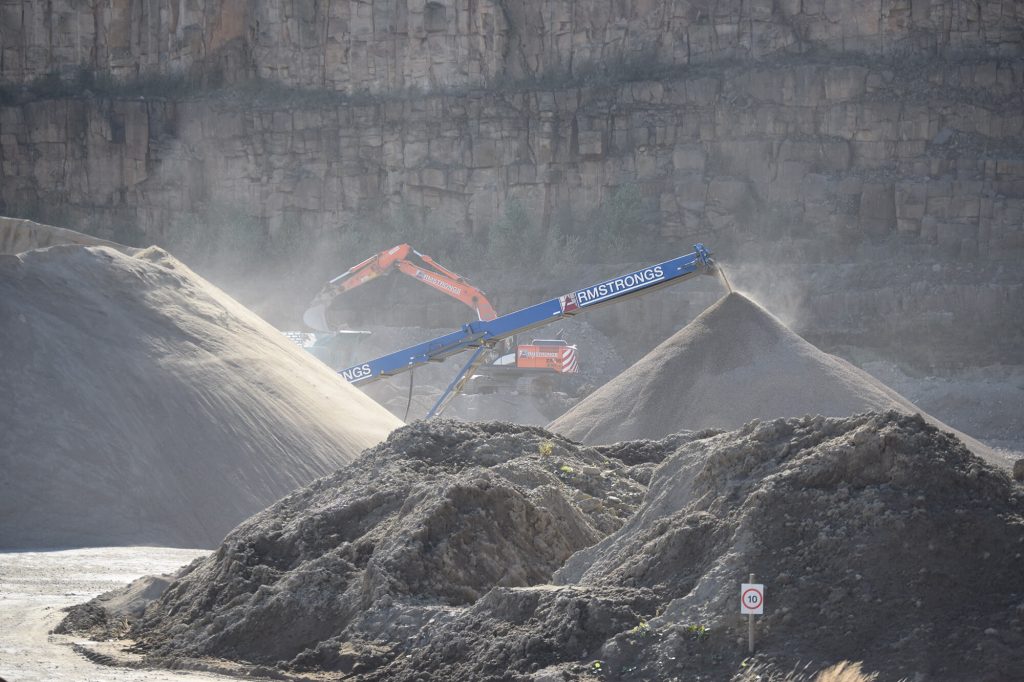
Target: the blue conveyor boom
(486, 334)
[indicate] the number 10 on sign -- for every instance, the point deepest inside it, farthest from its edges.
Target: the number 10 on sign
(752, 598)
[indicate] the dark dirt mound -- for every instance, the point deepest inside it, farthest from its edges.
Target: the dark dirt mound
(735, 362)
(141, 405)
(434, 557)
(879, 538)
(512, 634)
(111, 614)
(432, 519)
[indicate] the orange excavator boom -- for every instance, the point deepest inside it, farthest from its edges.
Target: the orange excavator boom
(430, 273)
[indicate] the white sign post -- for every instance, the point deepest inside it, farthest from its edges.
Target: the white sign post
(751, 603)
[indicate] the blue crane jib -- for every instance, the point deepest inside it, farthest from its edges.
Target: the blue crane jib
(486, 334)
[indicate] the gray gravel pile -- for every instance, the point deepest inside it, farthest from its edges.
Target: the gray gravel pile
(879, 538)
(735, 362)
(500, 552)
(352, 568)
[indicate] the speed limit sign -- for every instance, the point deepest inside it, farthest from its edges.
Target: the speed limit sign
(752, 598)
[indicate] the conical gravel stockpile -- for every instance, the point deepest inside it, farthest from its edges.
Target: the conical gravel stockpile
(143, 405)
(735, 362)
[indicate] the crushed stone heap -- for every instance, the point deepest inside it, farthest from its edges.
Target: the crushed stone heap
(735, 362)
(141, 405)
(879, 537)
(430, 520)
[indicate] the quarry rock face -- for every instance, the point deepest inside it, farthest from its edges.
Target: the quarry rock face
(143, 406)
(870, 532)
(894, 121)
(775, 131)
(388, 45)
(758, 151)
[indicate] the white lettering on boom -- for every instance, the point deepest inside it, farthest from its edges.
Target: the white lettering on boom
(620, 285)
(438, 283)
(358, 372)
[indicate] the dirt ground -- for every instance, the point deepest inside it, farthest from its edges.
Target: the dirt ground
(35, 586)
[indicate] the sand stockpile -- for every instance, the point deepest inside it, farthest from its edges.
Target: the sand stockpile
(734, 363)
(879, 538)
(143, 405)
(18, 235)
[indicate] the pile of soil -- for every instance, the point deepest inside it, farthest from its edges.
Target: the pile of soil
(879, 538)
(109, 615)
(434, 557)
(359, 564)
(735, 362)
(144, 406)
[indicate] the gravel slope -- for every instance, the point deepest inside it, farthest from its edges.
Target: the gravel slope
(144, 406)
(735, 362)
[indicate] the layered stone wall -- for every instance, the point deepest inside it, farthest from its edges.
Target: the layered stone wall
(786, 131)
(391, 45)
(822, 153)
(125, 39)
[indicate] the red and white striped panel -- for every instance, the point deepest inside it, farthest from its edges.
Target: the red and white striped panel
(570, 365)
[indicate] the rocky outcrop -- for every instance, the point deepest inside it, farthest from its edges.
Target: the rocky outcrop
(123, 38)
(898, 118)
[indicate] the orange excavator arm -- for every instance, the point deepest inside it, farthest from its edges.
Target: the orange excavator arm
(397, 258)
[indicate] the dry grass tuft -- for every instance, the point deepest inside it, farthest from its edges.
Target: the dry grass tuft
(844, 671)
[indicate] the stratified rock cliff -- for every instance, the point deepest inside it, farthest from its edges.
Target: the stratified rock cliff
(792, 130)
(386, 45)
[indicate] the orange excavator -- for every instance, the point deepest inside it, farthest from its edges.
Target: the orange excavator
(540, 356)
(431, 273)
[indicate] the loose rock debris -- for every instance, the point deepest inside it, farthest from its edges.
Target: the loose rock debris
(496, 552)
(429, 521)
